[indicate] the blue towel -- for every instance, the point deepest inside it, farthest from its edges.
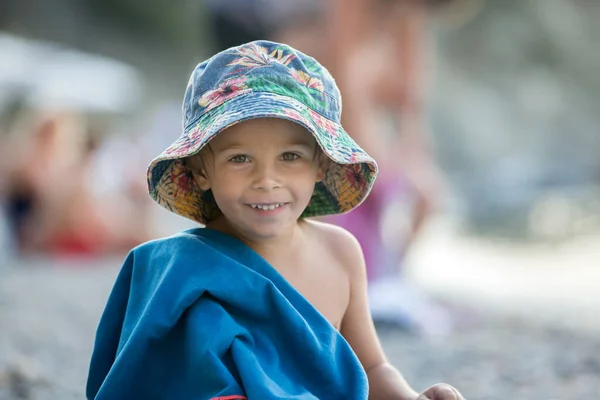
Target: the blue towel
(202, 316)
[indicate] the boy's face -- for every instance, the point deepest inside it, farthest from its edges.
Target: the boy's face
(262, 173)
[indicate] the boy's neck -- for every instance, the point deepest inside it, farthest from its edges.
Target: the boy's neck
(272, 249)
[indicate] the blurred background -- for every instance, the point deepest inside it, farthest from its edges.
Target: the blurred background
(482, 235)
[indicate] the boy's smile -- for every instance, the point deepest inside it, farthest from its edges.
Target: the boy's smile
(262, 174)
(269, 208)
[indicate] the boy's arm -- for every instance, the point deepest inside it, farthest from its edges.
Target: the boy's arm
(385, 382)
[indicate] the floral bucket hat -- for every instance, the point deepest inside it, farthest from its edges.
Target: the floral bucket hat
(262, 79)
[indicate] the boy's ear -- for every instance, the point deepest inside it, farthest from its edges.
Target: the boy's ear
(202, 181)
(196, 167)
(323, 166)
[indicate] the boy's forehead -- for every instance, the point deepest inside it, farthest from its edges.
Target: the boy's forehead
(274, 130)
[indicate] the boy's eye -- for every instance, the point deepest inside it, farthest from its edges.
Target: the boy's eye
(290, 156)
(239, 159)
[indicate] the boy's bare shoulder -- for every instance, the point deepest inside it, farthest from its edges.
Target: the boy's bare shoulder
(338, 242)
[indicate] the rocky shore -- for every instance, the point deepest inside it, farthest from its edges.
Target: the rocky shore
(49, 312)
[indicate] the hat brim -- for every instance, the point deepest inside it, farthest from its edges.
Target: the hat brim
(348, 180)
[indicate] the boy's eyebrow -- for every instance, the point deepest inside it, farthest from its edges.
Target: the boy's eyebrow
(300, 143)
(230, 146)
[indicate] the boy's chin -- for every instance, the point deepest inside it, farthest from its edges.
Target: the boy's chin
(257, 229)
(267, 231)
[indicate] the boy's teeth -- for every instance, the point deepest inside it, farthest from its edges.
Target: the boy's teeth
(266, 207)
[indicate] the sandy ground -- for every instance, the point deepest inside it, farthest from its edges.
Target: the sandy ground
(526, 322)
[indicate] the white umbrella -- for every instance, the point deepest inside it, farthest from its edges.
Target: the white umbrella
(57, 77)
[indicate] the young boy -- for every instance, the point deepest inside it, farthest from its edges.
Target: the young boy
(262, 303)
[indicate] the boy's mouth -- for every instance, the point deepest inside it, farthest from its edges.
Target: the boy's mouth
(267, 207)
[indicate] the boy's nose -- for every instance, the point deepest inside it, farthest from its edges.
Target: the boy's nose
(266, 177)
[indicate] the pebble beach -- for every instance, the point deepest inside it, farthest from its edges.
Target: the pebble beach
(49, 311)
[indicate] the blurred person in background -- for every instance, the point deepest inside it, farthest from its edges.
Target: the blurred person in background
(369, 39)
(362, 42)
(99, 209)
(7, 241)
(77, 225)
(233, 22)
(34, 162)
(51, 170)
